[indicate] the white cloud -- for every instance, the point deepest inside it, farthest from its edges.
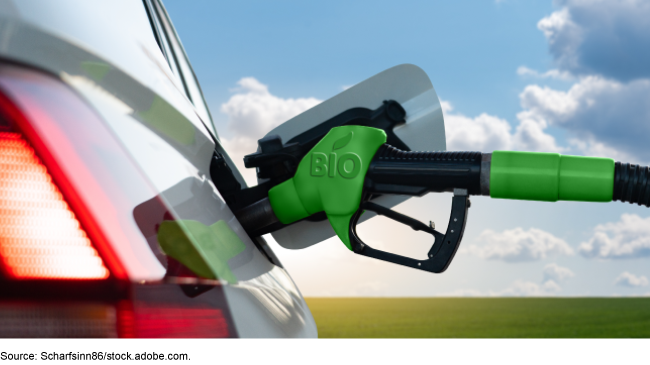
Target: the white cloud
(592, 147)
(462, 293)
(556, 273)
(563, 37)
(607, 117)
(530, 136)
(446, 107)
(522, 288)
(550, 74)
(519, 288)
(518, 245)
(252, 112)
(619, 295)
(487, 133)
(605, 44)
(551, 286)
(625, 239)
(543, 103)
(368, 289)
(630, 280)
(605, 37)
(555, 24)
(483, 133)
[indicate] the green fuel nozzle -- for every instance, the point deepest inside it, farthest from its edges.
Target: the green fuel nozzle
(352, 164)
(330, 179)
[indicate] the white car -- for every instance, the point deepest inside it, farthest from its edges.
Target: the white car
(110, 223)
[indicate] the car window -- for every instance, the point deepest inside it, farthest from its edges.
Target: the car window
(177, 57)
(163, 43)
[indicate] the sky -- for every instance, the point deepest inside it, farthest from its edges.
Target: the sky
(569, 76)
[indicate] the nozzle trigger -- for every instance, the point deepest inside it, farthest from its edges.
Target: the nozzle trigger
(444, 247)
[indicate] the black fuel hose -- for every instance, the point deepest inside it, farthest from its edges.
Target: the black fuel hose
(632, 183)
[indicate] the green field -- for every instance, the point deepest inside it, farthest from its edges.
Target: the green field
(481, 317)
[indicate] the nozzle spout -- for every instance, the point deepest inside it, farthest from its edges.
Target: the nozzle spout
(257, 216)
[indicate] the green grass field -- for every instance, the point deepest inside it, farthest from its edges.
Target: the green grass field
(481, 317)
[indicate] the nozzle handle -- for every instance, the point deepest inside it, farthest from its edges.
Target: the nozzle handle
(444, 246)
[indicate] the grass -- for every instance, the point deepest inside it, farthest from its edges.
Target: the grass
(481, 317)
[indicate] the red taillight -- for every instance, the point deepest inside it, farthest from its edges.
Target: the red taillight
(67, 196)
(164, 321)
(40, 236)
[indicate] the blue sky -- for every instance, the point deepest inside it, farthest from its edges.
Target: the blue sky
(470, 50)
(566, 76)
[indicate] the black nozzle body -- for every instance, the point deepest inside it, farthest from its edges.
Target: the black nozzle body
(393, 171)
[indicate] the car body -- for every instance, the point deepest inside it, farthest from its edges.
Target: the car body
(102, 96)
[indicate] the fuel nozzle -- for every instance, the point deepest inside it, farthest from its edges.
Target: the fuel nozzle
(352, 164)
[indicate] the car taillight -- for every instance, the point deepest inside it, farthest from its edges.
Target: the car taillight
(40, 237)
(73, 263)
(160, 321)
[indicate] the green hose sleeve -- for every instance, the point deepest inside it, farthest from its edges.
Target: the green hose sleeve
(550, 177)
(329, 178)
